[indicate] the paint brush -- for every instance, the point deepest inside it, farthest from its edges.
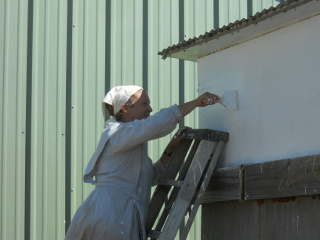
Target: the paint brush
(230, 100)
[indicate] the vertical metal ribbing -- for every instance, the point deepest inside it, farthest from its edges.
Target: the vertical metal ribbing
(28, 123)
(108, 51)
(68, 115)
(249, 8)
(216, 22)
(145, 45)
(181, 75)
(181, 62)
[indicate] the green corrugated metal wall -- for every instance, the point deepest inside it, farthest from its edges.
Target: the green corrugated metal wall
(13, 52)
(58, 58)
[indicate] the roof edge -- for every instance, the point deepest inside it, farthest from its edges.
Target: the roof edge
(239, 24)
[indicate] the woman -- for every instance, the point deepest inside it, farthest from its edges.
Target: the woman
(117, 207)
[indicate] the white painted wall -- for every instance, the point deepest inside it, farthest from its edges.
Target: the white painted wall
(278, 80)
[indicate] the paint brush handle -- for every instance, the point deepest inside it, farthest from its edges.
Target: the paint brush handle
(210, 100)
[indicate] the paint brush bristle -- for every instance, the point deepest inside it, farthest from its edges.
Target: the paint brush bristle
(230, 100)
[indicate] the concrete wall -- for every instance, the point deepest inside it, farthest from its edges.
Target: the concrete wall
(277, 76)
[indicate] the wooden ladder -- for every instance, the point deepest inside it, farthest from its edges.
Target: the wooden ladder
(177, 194)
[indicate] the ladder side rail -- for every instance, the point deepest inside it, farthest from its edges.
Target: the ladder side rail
(185, 194)
(175, 191)
(154, 234)
(161, 191)
(177, 159)
(189, 160)
(200, 193)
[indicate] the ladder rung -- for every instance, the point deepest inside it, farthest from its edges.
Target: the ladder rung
(170, 182)
(154, 234)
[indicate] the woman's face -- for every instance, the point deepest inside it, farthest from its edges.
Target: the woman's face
(141, 106)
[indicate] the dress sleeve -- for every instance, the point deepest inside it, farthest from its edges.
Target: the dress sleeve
(134, 133)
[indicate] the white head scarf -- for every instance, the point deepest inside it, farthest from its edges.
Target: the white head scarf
(117, 96)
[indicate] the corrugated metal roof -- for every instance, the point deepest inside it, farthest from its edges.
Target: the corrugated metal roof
(216, 33)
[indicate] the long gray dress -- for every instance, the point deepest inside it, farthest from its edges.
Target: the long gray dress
(117, 207)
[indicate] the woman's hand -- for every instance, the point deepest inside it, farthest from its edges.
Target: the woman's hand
(207, 99)
(176, 139)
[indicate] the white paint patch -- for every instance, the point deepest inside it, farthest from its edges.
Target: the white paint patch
(277, 78)
(230, 100)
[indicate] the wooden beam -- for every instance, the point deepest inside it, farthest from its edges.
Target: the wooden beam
(285, 178)
(277, 179)
(224, 185)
